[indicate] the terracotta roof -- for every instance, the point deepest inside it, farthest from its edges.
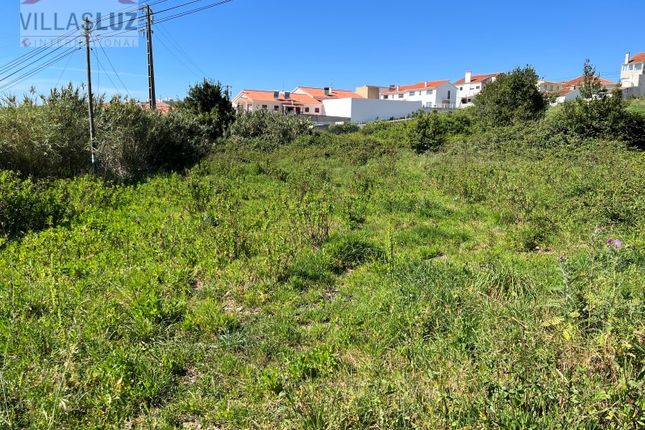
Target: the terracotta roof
(638, 58)
(580, 79)
(565, 91)
(319, 93)
(268, 96)
(477, 78)
(162, 106)
(419, 86)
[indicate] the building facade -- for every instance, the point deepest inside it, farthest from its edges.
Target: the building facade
(632, 75)
(431, 94)
(285, 102)
(470, 85)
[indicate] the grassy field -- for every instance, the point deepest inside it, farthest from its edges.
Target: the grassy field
(340, 282)
(637, 105)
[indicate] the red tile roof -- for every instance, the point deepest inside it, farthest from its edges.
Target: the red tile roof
(638, 58)
(419, 86)
(580, 79)
(268, 96)
(319, 93)
(477, 78)
(162, 106)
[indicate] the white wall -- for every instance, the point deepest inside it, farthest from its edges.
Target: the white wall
(429, 97)
(630, 74)
(366, 110)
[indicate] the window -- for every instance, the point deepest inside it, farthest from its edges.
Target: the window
(412, 93)
(400, 96)
(639, 66)
(631, 67)
(265, 107)
(276, 108)
(385, 97)
(477, 87)
(461, 88)
(317, 110)
(429, 92)
(448, 94)
(306, 110)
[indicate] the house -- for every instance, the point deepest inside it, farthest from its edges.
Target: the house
(632, 75)
(470, 85)
(570, 90)
(549, 86)
(371, 91)
(431, 94)
(326, 93)
(162, 106)
(277, 101)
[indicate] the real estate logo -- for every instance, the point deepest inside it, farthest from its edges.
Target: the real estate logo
(55, 23)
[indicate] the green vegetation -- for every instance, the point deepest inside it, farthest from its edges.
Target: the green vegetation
(340, 281)
(442, 272)
(48, 136)
(637, 105)
(514, 97)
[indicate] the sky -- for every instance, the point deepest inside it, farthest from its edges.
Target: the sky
(280, 44)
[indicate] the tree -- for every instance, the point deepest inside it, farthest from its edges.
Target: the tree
(591, 86)
(211, 104)
(513, 97)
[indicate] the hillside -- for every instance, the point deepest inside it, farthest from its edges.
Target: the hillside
(337, 282)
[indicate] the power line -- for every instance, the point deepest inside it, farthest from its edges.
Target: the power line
(113, 68)
(31, 73)
(191, 11)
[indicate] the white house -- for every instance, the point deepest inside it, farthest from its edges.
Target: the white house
(549, 86)
(277, 101)
(361, 110)
(570, 90)
(632, 75)
(431, 94)
(470, 85)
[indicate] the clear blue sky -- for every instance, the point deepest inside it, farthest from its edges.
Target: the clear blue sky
(278, 44)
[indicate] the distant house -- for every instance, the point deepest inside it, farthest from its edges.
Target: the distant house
(371, 91)
(632, 75)
(162, 106)
(327, 93)
(431, 94)
(570, 90)
(549, 86)
(285, 102)
(470, 85)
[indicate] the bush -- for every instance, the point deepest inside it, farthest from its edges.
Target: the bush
(604, 117)
(269, 130)
(24, 208)
(428, 132)
(512, 98)
(133, 142)
(50, 138)
(343, 128)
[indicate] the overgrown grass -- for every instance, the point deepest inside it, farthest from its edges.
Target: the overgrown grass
(337, 282)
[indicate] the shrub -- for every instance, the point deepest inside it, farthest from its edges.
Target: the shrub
(343, 128)
(24, 208)
(211, 108)
(428, 132)
(603, 117)
(50, 138)
(269, 130)
(512, 98)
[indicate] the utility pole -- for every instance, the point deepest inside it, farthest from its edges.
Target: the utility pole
(90, 97)
(151, 67)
